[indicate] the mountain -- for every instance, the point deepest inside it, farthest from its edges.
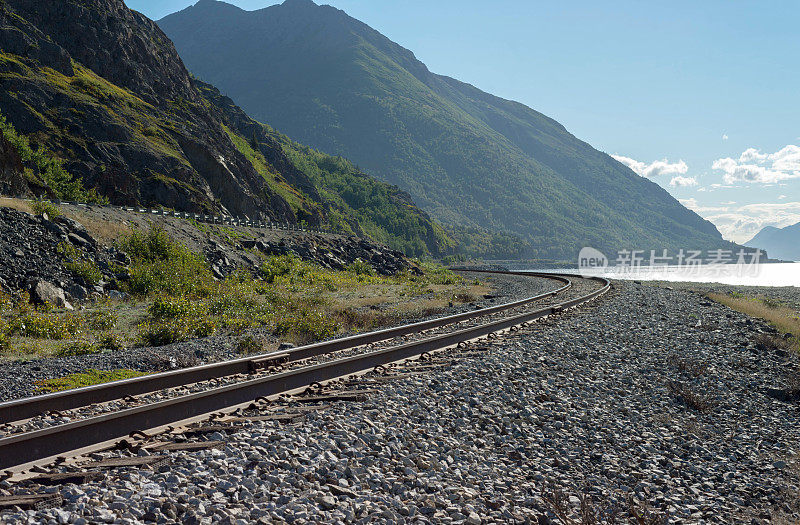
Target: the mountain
(780, 243)
(95, 104)
(475, 161)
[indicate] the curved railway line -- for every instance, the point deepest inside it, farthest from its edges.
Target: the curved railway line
(108, 416)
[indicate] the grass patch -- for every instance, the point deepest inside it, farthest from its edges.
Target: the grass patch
(176, 298)
(88, 378)
(781, 317)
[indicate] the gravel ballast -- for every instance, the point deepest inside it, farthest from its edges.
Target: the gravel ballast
(581, 402)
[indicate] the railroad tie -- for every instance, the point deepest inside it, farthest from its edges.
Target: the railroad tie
(267, 362)
(185, 446)
(278, 418)
(208, 429)
(352, 395)
(30, 501)
(152, 462)
(62, 478)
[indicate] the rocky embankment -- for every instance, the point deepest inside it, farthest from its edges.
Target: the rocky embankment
(335, 254)
(32, 255)
(651, 396)
(32, 258)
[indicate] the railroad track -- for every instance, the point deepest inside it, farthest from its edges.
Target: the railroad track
(222, 390)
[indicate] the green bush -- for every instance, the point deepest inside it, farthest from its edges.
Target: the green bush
(102, 320)
(41, 207)
(307, 326)
(161, 265)
(170, 308)
(80, 264)
(76, 348)
(248, 345)
(360, 267)
(176, 330)
(278, 266)
(43, 325)
(86, 270)
(111, 342)
(5, 344)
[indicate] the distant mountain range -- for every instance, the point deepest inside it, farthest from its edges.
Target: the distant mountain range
(94, 94)
(482, 165)
(780, 243)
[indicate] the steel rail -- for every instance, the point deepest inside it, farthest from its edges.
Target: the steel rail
(25, 448)
(25, 408)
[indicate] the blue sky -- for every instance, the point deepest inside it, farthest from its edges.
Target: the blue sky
(701, 97)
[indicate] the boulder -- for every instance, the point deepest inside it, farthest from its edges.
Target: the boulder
(77, 292)
(78, 240)
(46, 292)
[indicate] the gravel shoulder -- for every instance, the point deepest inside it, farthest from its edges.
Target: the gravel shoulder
(18, 378)
(581, 402)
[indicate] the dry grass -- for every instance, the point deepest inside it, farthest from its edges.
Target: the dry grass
(781, 317)
(688, 365)
(16, 204)
(106, 232)
(590, 512)
(690, 397)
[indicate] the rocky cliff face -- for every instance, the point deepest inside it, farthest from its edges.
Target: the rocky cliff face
(104, 89)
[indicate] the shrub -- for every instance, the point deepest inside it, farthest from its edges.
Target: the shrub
(248, 345)
(5, 344)
(42, 325)
(86, 270)
(169, 308)
(41, 207)
(307, 326)
(278, 266)
(76, 348)
(101, 320)
(50, 169)
(111, 342)
(80, 264)
(175, 330)
(360, 267)
(163, 265)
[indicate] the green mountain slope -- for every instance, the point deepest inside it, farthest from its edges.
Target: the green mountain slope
(93, 95)
(354, 202)
(473, 160)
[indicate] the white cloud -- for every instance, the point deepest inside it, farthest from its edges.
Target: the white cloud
(684, 182)
(654, 169)
(753, 166)
(724, 136)
(741, 223)
(781, 197)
